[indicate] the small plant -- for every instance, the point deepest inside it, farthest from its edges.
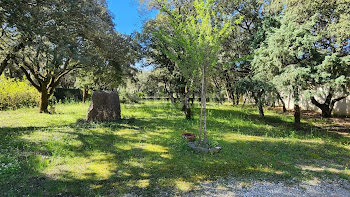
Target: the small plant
(213, 143)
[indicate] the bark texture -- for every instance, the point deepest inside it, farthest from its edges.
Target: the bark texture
(105, 106)
(203, 118)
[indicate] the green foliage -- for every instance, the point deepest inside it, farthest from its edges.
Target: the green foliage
(128, 97)
(17, 93)
(195, 38)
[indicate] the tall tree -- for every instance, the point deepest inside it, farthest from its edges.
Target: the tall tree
(329, 72)
(155, 56)
(285, 59)
(58, 37)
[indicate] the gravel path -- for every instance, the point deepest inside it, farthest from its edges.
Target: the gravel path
(314, 188)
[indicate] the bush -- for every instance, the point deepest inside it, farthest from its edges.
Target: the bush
(68, 95)
(17, 93)
(129, 98)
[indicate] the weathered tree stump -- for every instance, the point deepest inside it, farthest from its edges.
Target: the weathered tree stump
(105, 106)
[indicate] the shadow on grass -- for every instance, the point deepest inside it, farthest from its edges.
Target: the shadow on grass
(147, 156)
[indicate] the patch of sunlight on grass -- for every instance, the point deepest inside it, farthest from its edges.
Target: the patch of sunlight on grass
(321, 169)
(127, 132)
(183, 185)
(93, 186)
(45, 135)
(99, 166)
(155, 148)
(265, 170)
(144, 174)
(232, 137)
(143, 183)
(166, 156)
(133, 163)
(125, 146)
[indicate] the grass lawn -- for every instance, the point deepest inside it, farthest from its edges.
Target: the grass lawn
(59, 154)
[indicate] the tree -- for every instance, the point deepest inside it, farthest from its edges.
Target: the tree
(117, 53)
(59, 37)
(257, 90)
(329, 31)
(238, 48)
(285, 59)
(333, 77)
(195, 41)
(156, 57)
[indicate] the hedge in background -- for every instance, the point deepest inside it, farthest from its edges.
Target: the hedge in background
(17, 93)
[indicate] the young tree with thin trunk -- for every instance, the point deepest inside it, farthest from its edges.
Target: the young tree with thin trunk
(195, 43)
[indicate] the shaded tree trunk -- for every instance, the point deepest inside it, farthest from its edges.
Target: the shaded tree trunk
(229, 92)
(186, 103)
(297, 116)
(172, 99)
(281, 100)
(187, 110)
(44, 99)
(261, 110)
(169, 92)
(218, 93)
(193, 97)
(328, 105)
(259, 103)
(85, 92)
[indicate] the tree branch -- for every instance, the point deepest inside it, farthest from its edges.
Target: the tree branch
(36, 86)
(36, 75)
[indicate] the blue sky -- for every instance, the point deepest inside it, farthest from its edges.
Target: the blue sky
(127, 16)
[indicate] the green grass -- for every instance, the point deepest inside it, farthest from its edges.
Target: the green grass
(59, 154)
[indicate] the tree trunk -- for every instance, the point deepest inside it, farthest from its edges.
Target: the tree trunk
(193, 97)
(85, 92)
(203, 109)
(187, 111)
(325, 107)
(283, 104)
(172, 99)
(229, 92)
(258, 102)
(169, 92)
(261, 110)
(228, 96)
(237, 99)
(186, 104)
(44, 100)
(296, 108)
(328, 105)
(297, 116)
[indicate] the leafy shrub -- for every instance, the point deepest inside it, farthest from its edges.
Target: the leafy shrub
(17, 93)
(129, 98)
